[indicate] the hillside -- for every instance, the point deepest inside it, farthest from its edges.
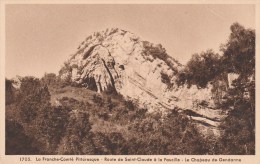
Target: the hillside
(114, 125)
(118, 94)
(118, 61)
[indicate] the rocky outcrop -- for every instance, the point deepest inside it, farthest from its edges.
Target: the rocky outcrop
(139, 70)
(16, 82)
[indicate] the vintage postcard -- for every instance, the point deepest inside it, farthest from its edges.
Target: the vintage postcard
(129, 81)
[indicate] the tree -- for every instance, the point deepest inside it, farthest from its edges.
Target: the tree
(239, 51)
(239, 125)
(29, 85)
(49, 79)
(200, 69)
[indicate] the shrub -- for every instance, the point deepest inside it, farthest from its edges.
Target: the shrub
(166, 80)
(98, 100)
(17, 142)
(49, 79)
(50, 126)
(77, 140)
(29, 85)
(31, 104)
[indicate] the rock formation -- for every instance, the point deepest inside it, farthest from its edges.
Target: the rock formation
(117, 60)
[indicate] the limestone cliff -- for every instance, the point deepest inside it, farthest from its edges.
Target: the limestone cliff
(141, 71)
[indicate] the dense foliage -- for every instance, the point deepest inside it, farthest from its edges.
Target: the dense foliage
(100, 124)
(200, 69)
(238, 58)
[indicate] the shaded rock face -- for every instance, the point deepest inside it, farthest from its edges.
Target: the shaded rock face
(138, 70)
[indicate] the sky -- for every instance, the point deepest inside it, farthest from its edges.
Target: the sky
(39, 38)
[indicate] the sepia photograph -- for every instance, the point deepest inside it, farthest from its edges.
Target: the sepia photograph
(130, 79)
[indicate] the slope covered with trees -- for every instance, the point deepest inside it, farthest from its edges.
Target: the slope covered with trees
(53, 116)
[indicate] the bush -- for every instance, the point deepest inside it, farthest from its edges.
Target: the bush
(176, 134)
(49, 79)
(98, 100)
(159, 52)
(77, 140)
(17, 142)
(166, 80)
(31, 104)
(29, 85)
(50, 126)
(110, 144)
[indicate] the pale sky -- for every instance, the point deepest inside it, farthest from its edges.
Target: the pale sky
(39, 38)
